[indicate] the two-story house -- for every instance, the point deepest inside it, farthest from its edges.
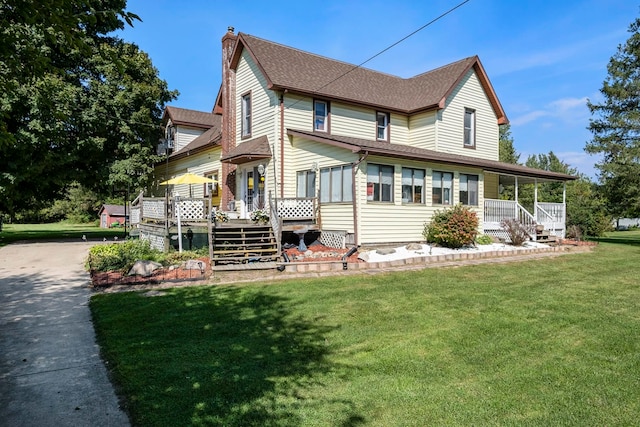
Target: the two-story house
(377, 154)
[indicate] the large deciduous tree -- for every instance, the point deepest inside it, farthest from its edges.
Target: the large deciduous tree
(615, 126)
(85, 108)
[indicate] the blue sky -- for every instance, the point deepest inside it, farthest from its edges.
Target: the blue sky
(544, 58)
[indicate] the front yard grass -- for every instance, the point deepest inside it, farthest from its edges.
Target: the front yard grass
(546, 342)
(12, 233)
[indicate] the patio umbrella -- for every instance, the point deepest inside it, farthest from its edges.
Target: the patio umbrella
(188, 178)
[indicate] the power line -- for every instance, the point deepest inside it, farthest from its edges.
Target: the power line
(393, 45)
(355, 67)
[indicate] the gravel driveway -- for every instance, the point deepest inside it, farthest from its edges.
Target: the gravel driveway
(51, 373)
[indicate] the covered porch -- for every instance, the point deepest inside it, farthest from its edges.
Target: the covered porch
(546, 220)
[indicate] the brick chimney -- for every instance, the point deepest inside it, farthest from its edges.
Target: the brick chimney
(228, 142)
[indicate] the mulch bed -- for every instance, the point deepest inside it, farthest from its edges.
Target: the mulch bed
(317, 252)
(101, 279)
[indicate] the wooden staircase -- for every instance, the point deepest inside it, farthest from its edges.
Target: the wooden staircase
(544, 236)
(239, 245)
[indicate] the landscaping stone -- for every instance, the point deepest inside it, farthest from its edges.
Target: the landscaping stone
(144, 268)
(414, 247)
(386, 251)
(194, 264)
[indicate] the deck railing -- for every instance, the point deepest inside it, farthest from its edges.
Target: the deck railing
(551, 215)
(297, 208)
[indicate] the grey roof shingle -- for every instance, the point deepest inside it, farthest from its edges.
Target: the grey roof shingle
(359, 145)
(186, 117)
(289, 68)
(211, 137)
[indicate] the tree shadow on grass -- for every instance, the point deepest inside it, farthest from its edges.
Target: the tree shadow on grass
(226, 356)
(620, 238)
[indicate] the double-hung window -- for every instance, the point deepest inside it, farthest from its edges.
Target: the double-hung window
(320, 116)
(469, 128)
(246, 115)
(469, 189)
(379, 183)
(441, 191)
(382, 124)
(412, 185)
(336, 184)
(306, 184)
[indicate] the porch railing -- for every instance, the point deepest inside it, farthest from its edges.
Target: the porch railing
(297, 208)
(551, 215)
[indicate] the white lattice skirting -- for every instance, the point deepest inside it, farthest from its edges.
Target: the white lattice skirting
(333, 239)
(156, 242)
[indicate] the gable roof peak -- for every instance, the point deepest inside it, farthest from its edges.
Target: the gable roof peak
(295, 70)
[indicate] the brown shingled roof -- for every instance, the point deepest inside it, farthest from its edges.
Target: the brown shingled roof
(358, 145)
(186, 117)
(211, 137)
(254, 149)
(295, 70)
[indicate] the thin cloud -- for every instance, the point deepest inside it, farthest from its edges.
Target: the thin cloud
(565, 109)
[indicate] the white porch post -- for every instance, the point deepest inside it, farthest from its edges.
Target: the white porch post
(535, 198)
(564, 209)
(516, 189)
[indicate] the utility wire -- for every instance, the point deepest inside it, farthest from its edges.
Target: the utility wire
(355, 67)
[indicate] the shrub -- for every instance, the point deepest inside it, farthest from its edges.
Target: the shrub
(452, 228)
(121, 256)
(574, 232)
(484, 239)
(518, 232)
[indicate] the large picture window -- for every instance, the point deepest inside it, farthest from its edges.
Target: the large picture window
(442, 184)
(246, 115)
(321, 116)
(412, 185)
(469, 189)
(336, 184)
(306, 184)
(379, 183)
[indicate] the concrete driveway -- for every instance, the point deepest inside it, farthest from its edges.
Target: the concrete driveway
(51, 373)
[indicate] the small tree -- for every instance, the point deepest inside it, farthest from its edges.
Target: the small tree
(518, 232)
(452, 228)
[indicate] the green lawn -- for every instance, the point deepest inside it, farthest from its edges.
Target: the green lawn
(16, 232)
(542, 343)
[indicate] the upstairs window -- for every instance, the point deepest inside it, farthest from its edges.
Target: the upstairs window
(412, 185)
(306, 184)
(382, 120)
(246, 115)
(320, 116)
(336, 184)
(379, 183)
(469, 189)
(469, 128)
(442, 184)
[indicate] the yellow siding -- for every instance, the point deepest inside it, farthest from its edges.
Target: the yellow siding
(198, 164)
(184, 136)
(422, 130)
(468, 94)
(264, 102)
(399, 127)
(265, 115)
(306, 154)
(397, 222)
(337, 217)
(353, 121)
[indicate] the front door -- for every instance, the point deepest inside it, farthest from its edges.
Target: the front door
(254, 189)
